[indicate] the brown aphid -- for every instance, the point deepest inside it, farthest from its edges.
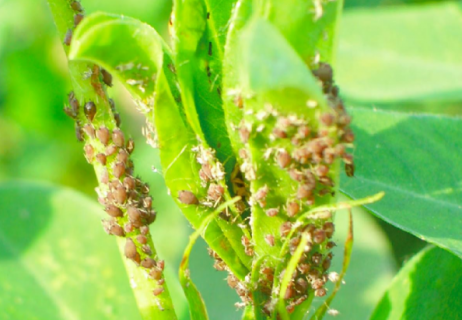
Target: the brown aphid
(113, 211)
(101, 158)
(117, 119)
(77, 19)
(134, 214)
(326, 264)
(128, 227)
(335, 91)
(70, 113)
(243, 154)
(344, 120)
(316, 258)
(348, 136)
(303, 131)
(330, 245)
(110, 150)
(141, 239)
(272, 212)
(161, 282)
(89, 130)
(130, 146)
(269, 238)
(328, 155)
(120, 195)
(156, 272)
(104, 176)
(347, 158)
(76, 6)
(304, 191)
(117, 230)
(148, 263)
(130, 251)
(302, 155)
(324, 72)
(301, 285)
(146, 248)
(317, 284)
(78, 132)
(129, 183)
(319, 236)
(290, 292)
(158, 291)
(321, 170)
(118, 138)
(107, 77)
(244, 133)
(151, 217)
(161, 264)
(103, 135)
(285, 228)
(130, 168)
(260, 195)
(296, 175)
(327, 119)
(144, 230)
(320, 292)
(293, 244)
(147, 202)
(350, 169)
(205, 173)
(122, 156)
(90, 110)
(232, 281)
(187, 197)
(283, 158)
(279, 133)
(118, 169)
(304, 268)
(326, 181)
(215, 192)
(89, 152)
(292, 208)
(329, 229)
(68, 37)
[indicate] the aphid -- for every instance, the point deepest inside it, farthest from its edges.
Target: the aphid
(260, 195)
(215, 192)
(238, 101)
(103, 135)
(317, 284)
(319, 236)
(208, 15)
(128, 227)
(90, 110)
(118, 169)
(321, 170)
(161, 282)
(69, 112)
(304, 191)
(320, 292)
(89, 130)
(304, 268)
(344, 120)
(326, 264)
(134, 214)
(324, 72)
(348, 137)
(187, 197)
(130, 145)
(333, 277)
(101, 158)
(113, 211)
(244, 133)
(292, 208)
(122, 156)
(107, 77)
(232, 281)
(77, 19)
(329, 228)
(283, 158)
(88, 149)
(302, 155)
(158, 291)
(330, 245)
(205, 173)
(290, 292)
(76, 6)
(130, 251)
(326, 181)
(110, 150)
(290, 308)
(301, 285)
(151, 217)
(117, 230)
(120, 195)
(272, 212)
(144, 230)
(335, 91)
(68, 37)
(279, 133)
(118, 138)
(328, 155)
(350, 169)
(293, 244)
(161, 264)
(78, 132)
(147, 202)
(148, 263)
(146, 249)
(269, 238)
(327, 119)
(141, 239)
(285, 228)
(129, 183)
(339, 150)
(316, 258)
(111, 105)
(117, 119)
(156, 272)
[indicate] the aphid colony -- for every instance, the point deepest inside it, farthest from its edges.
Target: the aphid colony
(125, 197)
(306, 151)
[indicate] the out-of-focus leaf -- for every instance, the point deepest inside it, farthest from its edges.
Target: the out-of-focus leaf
(413, 57)
(428, 287)
(55, 260)
(415, 160)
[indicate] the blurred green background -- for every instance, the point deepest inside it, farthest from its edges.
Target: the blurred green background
(388, 50)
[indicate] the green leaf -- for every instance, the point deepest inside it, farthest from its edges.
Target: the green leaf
(56, 262)
(106, 44)
(428, 287)
(415, 160)
(406, 60)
